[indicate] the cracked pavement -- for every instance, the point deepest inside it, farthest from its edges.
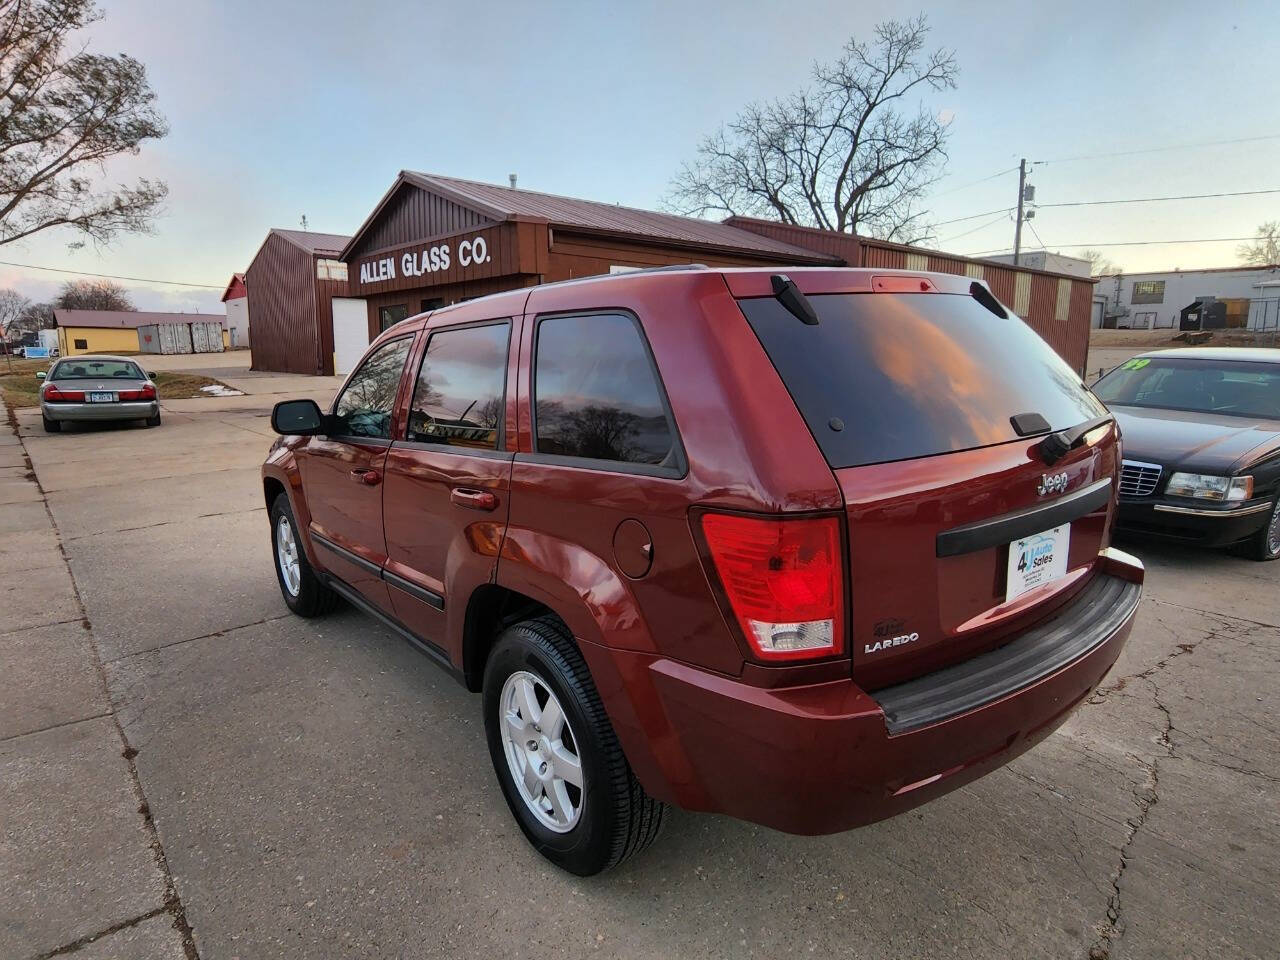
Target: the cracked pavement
(187, 771)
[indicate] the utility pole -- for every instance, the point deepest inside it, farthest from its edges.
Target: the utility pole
(1017, 230)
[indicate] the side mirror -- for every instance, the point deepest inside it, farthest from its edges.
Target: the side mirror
(39, 374)
(297, 418)
(151, 374)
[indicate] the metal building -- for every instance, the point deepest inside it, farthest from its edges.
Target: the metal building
(435, 240)
(291, 284)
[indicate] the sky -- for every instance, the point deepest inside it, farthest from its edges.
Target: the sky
(279, 110)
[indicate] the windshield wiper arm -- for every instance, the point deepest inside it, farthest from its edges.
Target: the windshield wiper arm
(1057, 445)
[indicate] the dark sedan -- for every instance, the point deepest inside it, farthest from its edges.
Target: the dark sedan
(1201, 432)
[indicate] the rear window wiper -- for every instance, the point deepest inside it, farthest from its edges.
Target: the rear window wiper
(796, 303)
(1057, 445)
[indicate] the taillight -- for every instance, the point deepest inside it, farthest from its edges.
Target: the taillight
(784, 580)
(148, 392)
(53, 395)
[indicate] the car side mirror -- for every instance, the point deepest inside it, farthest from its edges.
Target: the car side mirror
(151, 374)
(39, 374)
(297, 418)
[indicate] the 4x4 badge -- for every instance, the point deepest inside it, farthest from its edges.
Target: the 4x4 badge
(1052, 483)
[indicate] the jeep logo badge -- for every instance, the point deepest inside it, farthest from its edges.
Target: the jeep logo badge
(1052, 483)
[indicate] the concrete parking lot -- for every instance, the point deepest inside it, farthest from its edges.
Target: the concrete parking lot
(186, 770)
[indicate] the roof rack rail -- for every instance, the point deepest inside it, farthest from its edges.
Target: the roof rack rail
(670, 266)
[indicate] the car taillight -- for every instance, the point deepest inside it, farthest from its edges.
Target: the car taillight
(148, 392)
(784, 580)
(53, 395)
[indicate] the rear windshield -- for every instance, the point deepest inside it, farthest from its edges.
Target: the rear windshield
(1236, 388)
(96, 370)
(894, 376)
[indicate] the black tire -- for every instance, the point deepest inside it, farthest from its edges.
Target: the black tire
(313, 598)
(617, 818)
(1265, 544)
(153, 421)
(51, 426)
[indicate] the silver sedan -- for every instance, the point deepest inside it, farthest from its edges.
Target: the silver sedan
(95, 387)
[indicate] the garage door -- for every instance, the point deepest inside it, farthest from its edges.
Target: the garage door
(350, 333)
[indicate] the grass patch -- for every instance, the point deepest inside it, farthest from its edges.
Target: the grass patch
(21, 387)
(183, 386)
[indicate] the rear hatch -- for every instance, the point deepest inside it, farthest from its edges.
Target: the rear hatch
(933, 409)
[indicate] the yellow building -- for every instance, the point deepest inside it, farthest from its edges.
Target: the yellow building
(129, 331)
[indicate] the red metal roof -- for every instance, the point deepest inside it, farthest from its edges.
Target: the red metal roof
(235, 289)
(504, 203)
(312, 242)
(129, 319)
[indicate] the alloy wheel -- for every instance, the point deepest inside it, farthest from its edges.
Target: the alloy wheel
(287, 556)
(542, 751)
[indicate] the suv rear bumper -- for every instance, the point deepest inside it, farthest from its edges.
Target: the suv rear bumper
(828, 757)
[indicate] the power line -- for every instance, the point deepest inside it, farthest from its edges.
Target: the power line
(1127, 243)
(1000, 219)
(1188, 196)
(1102, 203)
(1176, 146)
(974, 183)
(972, 216)
(1032, 227)
(110, 276)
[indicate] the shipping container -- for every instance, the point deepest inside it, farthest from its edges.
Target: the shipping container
(168, 338)
(206, 336)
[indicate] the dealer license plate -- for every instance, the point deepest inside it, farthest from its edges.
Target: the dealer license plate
(1038, 559)
(101, 397)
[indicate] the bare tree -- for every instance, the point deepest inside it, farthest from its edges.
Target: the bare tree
(38, 316)
(92, 295)
(849, 153)
(63, 115)
(1266, 249)
(1099, 265)
(12, 304)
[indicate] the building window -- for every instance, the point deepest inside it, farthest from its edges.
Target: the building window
(432, 303)
(81, 344)
(331, 270)
(461, 385)
(596, 394)
(390, 316)
(1148, 291)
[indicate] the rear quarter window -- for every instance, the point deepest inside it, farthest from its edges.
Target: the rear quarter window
(596, 393)
(886, 377)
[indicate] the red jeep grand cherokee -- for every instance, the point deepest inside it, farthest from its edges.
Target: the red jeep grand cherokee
(808, 549)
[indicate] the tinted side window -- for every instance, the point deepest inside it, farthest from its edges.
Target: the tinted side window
(364, 408)
(458, 398)
(596, 394)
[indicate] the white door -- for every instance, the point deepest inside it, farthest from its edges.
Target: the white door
(350, 333)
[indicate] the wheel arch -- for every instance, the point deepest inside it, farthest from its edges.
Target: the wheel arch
(490, 609)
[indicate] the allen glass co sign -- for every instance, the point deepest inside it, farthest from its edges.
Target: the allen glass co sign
(428, 260)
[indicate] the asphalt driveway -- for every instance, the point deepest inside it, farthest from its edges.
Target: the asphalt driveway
(187, 770)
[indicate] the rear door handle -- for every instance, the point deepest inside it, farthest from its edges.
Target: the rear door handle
(473, 499)
(368, 477)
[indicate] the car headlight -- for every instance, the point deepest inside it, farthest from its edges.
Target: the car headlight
(1204, 486)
